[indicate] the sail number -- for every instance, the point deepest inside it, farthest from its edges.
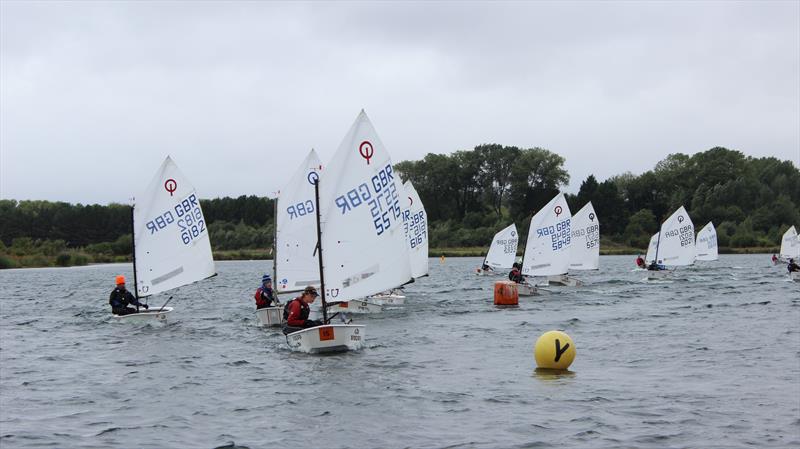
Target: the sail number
(415, 228)
(187, 215)
(560, 235)
(590, 233)
(684, 233)
(380, 194)
(509, 245)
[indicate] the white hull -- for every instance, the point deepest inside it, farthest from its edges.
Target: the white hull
(328, 338)
(564, 280)
(527, 290)
(356, 306)
(479, 272)
(392, 299)
(795, 276)
(270, 316)
(153, 315)
(653, 275)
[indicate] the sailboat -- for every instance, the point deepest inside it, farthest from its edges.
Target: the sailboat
(362, 247)
(502, 252)
(650, 257)
(294, 264)
(790, 245)
(547, 252)
(415, 225)
(584, 247)
(171, 247)
(675, 244)
(706, 243)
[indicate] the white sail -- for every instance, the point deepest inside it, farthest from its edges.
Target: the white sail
(415, 223)
(790, 244)
(364, 249)
(549, 237)
(297, 264)
(676, 246)
(651, 249)
(706, 243)
(503, 250)
(585, 245)
(171, 242)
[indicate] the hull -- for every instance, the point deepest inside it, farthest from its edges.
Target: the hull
(527, 290)
(795, 276)
(564, 281)
(653, 275)
(328, 339)
(147, 316)
(356, 306)
(270, 316)
(390, 298)
(479, 272)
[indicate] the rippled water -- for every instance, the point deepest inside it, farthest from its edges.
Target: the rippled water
(710, 360)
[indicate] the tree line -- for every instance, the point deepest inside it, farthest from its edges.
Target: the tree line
(468, 196)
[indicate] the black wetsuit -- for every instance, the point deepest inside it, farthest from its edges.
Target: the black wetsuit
(119, 301)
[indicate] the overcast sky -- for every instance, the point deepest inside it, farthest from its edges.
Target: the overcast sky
(94, 95)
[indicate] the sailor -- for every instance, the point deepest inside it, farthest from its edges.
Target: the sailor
(515, 274)
(792, 267)
(775, 259)
(120, 298)
(656, 267)
(296, 311)
(486, 268)
(265, 296)
(640, 262)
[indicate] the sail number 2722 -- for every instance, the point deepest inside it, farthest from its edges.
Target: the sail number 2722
(187, 215)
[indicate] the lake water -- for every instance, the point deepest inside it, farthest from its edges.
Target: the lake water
(708, 360)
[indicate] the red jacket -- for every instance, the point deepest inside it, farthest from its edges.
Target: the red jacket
(298, 313)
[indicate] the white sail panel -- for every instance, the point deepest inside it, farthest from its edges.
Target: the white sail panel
(297, 264)
(790, 244)
(171, 241)
(651, 249)
(706, 243)
(415, 224)
(585, 245)
(676, 247)
(503, 250)
(364, 249)
(549, 237)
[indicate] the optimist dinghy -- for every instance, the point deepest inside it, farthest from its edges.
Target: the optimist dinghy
(706, 243)
(547, 252)
(361, 246)
(294, 265)
(502, 252)
(790, 246)
(171, 247)
(674, 244)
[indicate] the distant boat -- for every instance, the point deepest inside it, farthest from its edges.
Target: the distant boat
(294, 264)
(790, 245)
(171, 247)
(547, 251)
(675, 244)
(585, 243)
(706, 243)
(502, 252)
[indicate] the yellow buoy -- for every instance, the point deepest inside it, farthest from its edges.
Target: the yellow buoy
(441, 260)
(554, 350)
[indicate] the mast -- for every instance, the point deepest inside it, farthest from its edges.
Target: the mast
(319, 254)
(658, 243)
(275, 248)
(133, 251)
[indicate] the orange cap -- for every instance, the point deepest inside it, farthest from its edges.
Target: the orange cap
(120, 279)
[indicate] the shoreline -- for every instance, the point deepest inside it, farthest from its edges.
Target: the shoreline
(266, 254)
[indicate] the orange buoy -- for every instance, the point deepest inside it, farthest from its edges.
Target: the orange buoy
(505, 293)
